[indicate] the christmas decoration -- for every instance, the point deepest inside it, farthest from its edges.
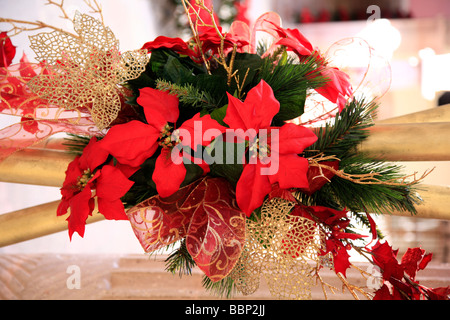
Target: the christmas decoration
(240, 157)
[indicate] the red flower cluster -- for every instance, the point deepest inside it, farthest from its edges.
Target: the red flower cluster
(88, 176)
(133, 142)
(281, 162)
(400, 277)
(338, 88)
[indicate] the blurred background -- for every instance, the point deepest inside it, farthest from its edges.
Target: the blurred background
(412, 35)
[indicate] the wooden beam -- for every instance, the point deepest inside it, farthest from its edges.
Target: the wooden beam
(31, 223)
(390, 142)
(409, 142)
(44, 167)
(435, 205)
(437, 114)
(34, 222)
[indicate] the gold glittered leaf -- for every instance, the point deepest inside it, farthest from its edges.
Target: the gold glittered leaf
(85, 72)
(281, 248)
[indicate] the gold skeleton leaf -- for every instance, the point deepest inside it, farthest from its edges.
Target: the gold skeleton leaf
(85, 71)
(281, 248)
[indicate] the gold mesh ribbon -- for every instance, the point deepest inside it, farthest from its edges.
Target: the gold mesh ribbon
(283, 249)
(85, 71)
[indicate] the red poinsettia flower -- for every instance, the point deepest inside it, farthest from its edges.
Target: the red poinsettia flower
(338, 87)
(211, 41)
(274, 151)
(87, 177)
(175, 44)
(7, 50)
(400, 277)
(293, 39)
(134, 142)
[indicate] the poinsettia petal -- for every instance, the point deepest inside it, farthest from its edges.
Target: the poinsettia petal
(73, 172)
(337, 88)
(159, 106)
(256, 112)
(112, 210)
(291, 173)
(7, 50)
(112, 183)
(295, 46)
(410, 260)
(199, 131)
(252, 188)
(233, 117)
(81, 206)
(426, 259)
(131, 143)
(176, 44)
(341, 260)
(292, 138)
(168, 175)
(93, 156)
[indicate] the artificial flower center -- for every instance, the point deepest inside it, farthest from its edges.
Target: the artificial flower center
(257, 149)
(84, 179)
(168, 138)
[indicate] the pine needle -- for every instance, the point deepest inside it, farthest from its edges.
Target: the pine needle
(180, 261)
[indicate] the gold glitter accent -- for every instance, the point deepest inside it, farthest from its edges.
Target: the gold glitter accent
(282, 248)
(85, 71)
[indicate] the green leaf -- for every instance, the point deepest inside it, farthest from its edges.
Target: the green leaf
(219, 114)
(175, 72)
(226, 159)
(290, 83)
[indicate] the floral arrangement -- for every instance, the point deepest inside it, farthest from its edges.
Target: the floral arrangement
(217, 148)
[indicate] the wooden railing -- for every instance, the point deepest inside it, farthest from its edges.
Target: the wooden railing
(422, 136)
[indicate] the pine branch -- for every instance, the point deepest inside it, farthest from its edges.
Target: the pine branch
(366, 184)
(75, 144)
(224, 288)
(180, 261)
(376, 198)
(187, 94)
(341, 137)
(290, 83)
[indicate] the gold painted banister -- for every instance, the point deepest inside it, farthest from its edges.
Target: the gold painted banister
(44, 167)
(409, 142)
(435, 205)
(391, 142)
(38, 221)
(437, 114)
(34, 222)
